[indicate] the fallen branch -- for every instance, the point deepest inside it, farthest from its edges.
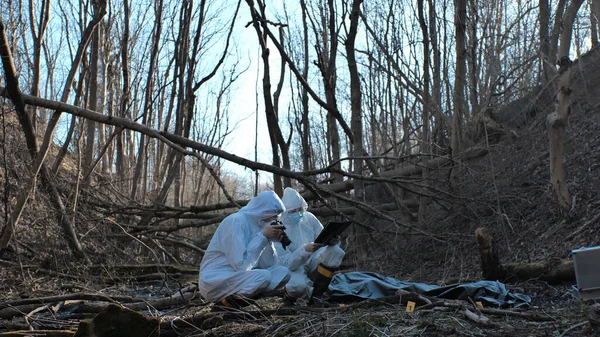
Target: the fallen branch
(412, 170)
(156, 304)
(41, 333)
(68, 297)
(98, 304)
(491, 311)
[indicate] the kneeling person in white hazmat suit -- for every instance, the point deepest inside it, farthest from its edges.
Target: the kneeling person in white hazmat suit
(241, 261)
(306, 260)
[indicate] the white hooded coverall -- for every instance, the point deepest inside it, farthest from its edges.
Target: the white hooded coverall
(240, 260)
(295, 257)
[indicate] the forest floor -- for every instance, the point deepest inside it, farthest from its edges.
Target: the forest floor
(508, 191)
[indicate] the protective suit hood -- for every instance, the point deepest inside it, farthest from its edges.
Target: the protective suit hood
(292, 199)
(264, 205)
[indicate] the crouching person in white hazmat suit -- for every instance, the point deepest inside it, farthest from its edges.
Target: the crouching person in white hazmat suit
(240, 261)
(307, 260)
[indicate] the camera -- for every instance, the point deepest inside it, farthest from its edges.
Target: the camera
(285, 240)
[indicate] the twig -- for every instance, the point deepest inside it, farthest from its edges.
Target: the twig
(584, 226)
(573, 327)
(33, 312)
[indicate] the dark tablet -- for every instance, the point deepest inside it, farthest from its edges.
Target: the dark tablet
(330, 230)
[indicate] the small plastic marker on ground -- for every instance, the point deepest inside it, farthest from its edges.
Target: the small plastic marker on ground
(410, 306)
(479, 304)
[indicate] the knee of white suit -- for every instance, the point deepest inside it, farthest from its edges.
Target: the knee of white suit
(260, 282)
(279, 276)
(263, 279)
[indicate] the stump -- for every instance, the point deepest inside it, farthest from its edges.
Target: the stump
(116, 321)
(554, 270)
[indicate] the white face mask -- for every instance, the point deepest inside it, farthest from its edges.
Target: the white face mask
(296, 217)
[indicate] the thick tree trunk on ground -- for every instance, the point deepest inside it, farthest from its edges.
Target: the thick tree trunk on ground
(554, 270)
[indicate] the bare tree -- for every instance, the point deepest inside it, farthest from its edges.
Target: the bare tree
(141, 156)
(460, 16)
(425, 143)
(37, 35)
(275, 135)
(92, 104)
(305, 119)
(126, 94)
(327, 50)
(557, 120)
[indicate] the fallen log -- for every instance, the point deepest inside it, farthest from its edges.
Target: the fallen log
(325, 212)
(41, 333)
(97, 304)
(145, 269)
(66, 297)
(554, 270)
(157, 304)
(209, 320)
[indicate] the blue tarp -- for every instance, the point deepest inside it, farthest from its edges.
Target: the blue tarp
(365, 285)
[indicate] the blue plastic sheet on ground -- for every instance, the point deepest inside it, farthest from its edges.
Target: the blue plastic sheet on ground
(365, 285)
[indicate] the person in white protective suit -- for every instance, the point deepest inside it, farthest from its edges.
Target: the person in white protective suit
(303, 256)
(241, 261)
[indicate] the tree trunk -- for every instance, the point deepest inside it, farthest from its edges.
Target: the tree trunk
(102, 141)
(356, 120)
(92, 105)
(555, 34)
(544, 19)
(425, 146)
(283, 146)
(141, 156)
(275, 135)
(327, 66)
(124, 103)
(557, 121)
(438, 132)
(38, 38)
(460, 16)
(472, 59)
(305, 121)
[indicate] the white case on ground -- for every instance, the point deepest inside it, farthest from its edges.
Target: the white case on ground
(587, 272)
